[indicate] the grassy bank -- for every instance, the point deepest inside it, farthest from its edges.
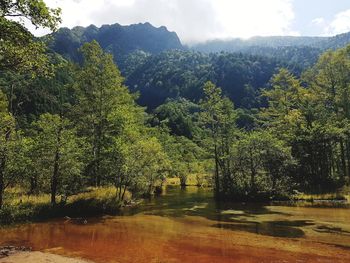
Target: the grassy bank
(339, 199)
(342, 194)
(322, 197)
(192, 180)
(19, 207)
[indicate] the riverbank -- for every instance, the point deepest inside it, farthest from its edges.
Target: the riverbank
(20, 208)
(340, 198)
(9, 254)
(39, 257)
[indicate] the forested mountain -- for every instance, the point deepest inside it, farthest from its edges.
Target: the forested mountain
(337, 41)
(174, 74)
(244, 45)
(116, 39)
(298, 51)
(123, 40)
(158, 66)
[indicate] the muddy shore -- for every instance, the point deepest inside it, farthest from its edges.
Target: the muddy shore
(25, 255)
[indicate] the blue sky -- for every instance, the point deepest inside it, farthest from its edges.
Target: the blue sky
(308, 10)
(201, 20)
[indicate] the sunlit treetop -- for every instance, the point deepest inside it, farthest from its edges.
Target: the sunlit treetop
(35, 11)
(19, 51)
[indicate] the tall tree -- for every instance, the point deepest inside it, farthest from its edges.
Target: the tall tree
(219, 118)
(312, 121)
(148, 161)
(102, 102)
(12, 148)
(329, 78)
(59, 154)
(262, 165)
(6, 130)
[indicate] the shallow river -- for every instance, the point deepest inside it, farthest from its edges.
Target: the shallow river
(188, 226)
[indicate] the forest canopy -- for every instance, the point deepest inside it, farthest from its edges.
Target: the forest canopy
(261, 127)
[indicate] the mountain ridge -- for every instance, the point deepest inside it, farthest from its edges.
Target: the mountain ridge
(121, 40)
(239, 44)
(156, 65)
(115, 38)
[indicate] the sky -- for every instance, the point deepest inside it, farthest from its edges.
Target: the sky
(200, 20)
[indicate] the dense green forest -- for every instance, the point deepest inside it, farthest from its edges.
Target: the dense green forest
(264, 126)
(175, 74)
(157, 66)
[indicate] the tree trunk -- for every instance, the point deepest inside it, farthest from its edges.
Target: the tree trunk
(2, 179)
(274, 182)
(348, 158)
(54, 180)
(33, 185)
(97, 161)
(98, 173)
(124, 191)
(252, 182)
(2, 171)
(342, 150)
(216, 177)
(252, 172)
(2, 186)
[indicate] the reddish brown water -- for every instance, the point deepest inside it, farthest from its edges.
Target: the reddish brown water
(187, 226)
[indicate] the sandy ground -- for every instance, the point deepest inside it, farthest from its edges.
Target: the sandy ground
(39, 257)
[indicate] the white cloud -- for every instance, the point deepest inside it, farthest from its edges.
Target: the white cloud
(340, 24)
(318, 21)
(254, 17)
(193, 20)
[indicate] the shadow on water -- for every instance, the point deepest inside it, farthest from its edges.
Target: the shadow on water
(288, 229)
(327, 229)
(194, 201)
(266, 229)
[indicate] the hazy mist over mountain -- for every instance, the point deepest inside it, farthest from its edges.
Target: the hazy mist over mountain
(200, 20)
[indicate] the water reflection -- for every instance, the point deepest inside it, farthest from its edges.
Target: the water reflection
(187, 224)
(194, 201)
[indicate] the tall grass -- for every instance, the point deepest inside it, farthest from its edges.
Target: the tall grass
(342, 194)
(324, 197)
(20, 207)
